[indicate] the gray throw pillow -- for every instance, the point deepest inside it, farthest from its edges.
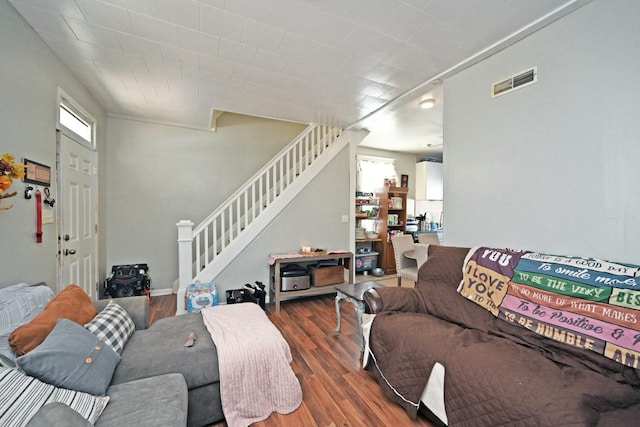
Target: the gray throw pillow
(73, 358)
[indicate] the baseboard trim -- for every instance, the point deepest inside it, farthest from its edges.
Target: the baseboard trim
(158, 292)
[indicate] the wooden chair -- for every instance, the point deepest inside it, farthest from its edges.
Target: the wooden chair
(428, 238)
(405, 267)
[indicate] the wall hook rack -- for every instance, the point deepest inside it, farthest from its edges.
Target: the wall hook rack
(49, 201)
(28, 192)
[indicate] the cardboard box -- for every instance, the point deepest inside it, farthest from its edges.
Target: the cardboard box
(331, 275)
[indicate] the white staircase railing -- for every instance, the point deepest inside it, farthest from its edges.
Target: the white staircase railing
(201, 246)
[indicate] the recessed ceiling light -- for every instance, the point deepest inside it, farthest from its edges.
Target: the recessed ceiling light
(427, 103)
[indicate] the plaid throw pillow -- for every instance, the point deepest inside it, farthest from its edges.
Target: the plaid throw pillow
(113, 325)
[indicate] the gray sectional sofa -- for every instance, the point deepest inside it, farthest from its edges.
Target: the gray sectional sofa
(159, 350)
(158, 381)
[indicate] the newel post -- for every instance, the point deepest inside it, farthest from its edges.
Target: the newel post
(185, 261)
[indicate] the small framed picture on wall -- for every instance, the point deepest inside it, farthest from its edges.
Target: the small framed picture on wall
(404, 180)
(36, 173)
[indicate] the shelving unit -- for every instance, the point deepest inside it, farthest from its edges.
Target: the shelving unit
(368, 217)
(393, 201)
(275, 288)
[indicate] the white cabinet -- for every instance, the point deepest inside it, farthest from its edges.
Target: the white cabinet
(429, 179)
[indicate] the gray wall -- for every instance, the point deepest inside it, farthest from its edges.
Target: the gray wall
(30, 75)
(159, 175)
(553, 166)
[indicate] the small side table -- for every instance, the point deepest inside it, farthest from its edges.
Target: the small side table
(353, 294)
(410, 254)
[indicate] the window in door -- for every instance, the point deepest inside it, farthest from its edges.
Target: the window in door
(74, 119)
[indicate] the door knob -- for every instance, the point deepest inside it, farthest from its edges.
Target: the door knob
(66, 237)
(69, 251)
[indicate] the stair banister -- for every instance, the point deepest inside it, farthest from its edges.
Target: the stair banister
(311, 131)
(227, 223)
(185, 254)
(255, 176)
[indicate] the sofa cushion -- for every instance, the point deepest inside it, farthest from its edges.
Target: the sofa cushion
(19, 304)
(160, 350)
(444, 265)
(438, 280)
(21, 396)
(72, 303)
(113, 325)
(57, 414)
(72, 357)
(137, 307)
(155, 401)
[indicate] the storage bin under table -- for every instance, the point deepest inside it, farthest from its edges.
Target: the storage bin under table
(367, 261)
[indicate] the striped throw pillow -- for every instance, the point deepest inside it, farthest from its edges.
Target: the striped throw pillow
(21, 396)
(113, 325)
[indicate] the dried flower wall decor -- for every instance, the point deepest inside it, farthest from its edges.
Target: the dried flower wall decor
(9, 170)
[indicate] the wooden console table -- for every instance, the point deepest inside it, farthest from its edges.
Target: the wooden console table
(276, 262)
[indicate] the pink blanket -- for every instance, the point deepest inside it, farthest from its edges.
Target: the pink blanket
(256, 378)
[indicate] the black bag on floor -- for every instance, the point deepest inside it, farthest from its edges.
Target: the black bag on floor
(249, 293)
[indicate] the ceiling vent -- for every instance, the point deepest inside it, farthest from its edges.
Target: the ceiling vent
(514, 82)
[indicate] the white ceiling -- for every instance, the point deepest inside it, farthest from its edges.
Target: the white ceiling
(406, 127)
(313, 61)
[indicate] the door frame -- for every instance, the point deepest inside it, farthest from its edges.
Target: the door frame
(90, 145)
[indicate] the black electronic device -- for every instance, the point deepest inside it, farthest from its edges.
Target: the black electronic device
(128, 280)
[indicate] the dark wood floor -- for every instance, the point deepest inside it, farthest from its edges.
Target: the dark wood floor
(336, 390)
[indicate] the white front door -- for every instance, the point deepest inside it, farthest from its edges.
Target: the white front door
(77, 186)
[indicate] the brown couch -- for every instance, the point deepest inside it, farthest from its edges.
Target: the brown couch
(496, 373)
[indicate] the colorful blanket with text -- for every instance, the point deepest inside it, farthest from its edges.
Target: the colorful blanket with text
(586, 303)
